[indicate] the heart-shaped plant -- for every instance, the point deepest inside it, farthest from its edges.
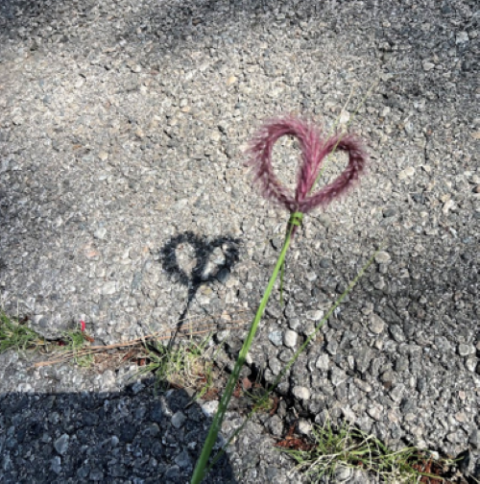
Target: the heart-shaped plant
(314, 152)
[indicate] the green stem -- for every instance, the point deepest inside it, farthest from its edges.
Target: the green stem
(199, 472)
(297, 354)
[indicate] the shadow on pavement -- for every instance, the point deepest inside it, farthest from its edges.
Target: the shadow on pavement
(129, 436)
(214, 260)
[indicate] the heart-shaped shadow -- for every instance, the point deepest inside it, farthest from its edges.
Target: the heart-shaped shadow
(214, 260)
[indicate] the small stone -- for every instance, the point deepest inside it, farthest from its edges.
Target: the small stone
(178, 419)
(302, 393)
(389, 212)
(183, 460)
(349, 414)
(337, 376)
(152, 430)
(462, 38)
(315, 315)
(471, 363)
(275, 365)
(61, 444)
(409, 128)
(376, 324)
(304, 427)
(466, 350)
(56, 464)
(332, 347)
(277, 243)
(223, 275)
(173, 473)
(285, 355)
(100, 233)
(275, 425)
(96, 475)
(109, 288)
(325, 263)
(323, 362)
(474, 439)
(363, 385)
(449, 204)
(290, 338)
(103, 155)
(231, 80)
(107, 379)
(428, 66)
(209, 408)
(382, 257)
(275, 337)
(397, 333)
(222, 335)
(407, 173)
(375, 412)
(343, 473)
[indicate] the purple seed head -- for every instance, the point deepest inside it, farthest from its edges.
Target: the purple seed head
(314, 150)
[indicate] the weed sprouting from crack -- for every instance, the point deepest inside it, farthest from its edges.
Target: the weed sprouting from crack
(18, 336)
(331, 450)
(185, 365)
(74, 341)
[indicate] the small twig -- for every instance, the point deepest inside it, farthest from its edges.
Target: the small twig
(159, 336)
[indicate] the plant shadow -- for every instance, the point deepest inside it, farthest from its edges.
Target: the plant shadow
(214, 260)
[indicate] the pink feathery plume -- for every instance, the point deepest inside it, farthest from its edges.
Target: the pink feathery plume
(314, 151)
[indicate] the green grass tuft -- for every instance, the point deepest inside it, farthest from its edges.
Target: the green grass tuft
(332, 450)
(17, 335)
(184, 365)
(75, 341)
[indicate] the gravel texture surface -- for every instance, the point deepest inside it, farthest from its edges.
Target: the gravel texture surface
(124, 202)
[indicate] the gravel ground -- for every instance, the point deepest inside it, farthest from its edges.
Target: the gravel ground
(122, 131)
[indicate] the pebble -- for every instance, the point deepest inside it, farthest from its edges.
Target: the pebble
(389, 212)
(223, 276)
(276, 337)
(301, 392)
(56, 464)
(290, 338)
(61, 444)
(323, 362)
(209, 409)
(376, 324)
(382, 257)
(275, 425)
(337, 376)
(315, 315)
(471, 363)
(376, 412)
(466, 350)
(304, 427)
(178, 419)
(462, 38)
(100, 233)
(448, 205)
(343, 473)
(397, 333)
(109, 288)
(406, 173)
(103, 155)
(428, 66)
